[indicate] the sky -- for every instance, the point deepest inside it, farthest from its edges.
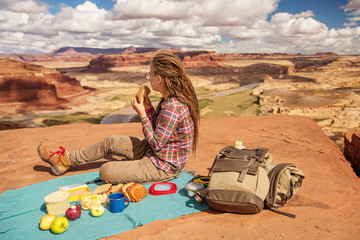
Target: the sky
(224, 26)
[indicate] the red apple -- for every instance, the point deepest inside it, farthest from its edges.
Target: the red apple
(73, 212)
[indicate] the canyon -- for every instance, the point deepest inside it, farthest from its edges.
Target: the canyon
(324, 87)
(34, 85)
(328, 93)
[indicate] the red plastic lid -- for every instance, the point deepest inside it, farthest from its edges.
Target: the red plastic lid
(162, 188)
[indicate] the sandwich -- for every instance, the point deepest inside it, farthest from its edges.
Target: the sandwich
(134, 191)
(141, 93)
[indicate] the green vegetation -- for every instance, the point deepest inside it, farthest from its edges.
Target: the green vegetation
(238, 104)
(115, 98)
(204, 103)
(72, 118)
(320, 119)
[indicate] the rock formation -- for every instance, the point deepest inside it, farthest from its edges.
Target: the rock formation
(326, 89)
(352, 150)
(25, 83)
(190, 59)
(327, 205)
(71, 54)
(104, 63)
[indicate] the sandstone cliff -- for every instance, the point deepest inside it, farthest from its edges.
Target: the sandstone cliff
(326, 89)
(190, 59)
(352, 150)
(24, 83)
(326, 205)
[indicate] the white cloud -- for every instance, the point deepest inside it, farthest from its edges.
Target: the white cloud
(183, 24)
(160, 9)
(25, 6)
(351, 5)
(352, 8)
(85, 18)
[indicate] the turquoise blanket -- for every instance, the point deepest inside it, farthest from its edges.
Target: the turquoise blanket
(21, 210)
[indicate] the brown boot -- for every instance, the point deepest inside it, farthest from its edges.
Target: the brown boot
(59, 160)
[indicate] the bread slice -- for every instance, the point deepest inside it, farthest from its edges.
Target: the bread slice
(102, 189)
(141, 93)
(115, 189)
(136, 192)
(125, 192)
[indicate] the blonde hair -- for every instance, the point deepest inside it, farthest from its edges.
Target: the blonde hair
(171, 70)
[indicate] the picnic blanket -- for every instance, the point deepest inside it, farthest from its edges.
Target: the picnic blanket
(21, 210)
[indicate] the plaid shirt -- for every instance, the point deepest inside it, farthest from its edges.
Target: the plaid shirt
(171, 140)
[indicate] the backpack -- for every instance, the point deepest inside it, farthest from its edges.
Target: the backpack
(242, 181)
(239, 181)
(285, 181)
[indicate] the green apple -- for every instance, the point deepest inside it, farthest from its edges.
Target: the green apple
(46, 220)
(59, 225)
(97, 211)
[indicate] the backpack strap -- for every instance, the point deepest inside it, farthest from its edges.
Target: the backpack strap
(259, 157)
(245, 170)
(274, 209)
(244, 161)
(274, 176)
(223, 152)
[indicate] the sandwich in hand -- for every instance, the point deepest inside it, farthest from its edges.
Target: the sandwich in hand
(141, 93)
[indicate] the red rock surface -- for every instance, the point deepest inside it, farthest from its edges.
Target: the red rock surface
(352, 150)
(29, 83)
(327, 205)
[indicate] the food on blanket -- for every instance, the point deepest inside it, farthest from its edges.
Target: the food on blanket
(87, 202)
(57, 202)
(46, 220)
(137, 192)
(124, 190)
(75, 191)
(73, 212)
(97, 211)
(102, 189)
(134, 191)
(141, 92)
(115, 189)
(59, 225)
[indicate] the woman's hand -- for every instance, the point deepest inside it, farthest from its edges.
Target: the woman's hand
(147, 102)
(139, 107)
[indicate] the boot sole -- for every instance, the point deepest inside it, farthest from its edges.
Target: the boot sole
(55, 171)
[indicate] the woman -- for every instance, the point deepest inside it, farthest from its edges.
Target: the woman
(170, 132)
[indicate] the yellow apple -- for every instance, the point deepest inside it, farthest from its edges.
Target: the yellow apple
(59, 225)
(97, 211)
(46, 220)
